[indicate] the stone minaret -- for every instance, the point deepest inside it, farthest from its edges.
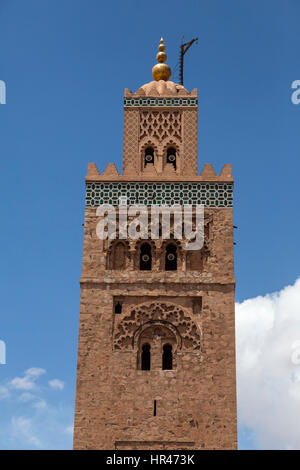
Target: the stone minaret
(156, 350)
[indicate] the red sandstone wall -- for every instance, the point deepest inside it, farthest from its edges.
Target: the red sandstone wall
(196, 402)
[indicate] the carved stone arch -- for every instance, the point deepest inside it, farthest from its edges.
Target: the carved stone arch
(165, 244)
(156, 324)
(172, 239)
(153, 312)
(156, 335)
(166, 145)
(138, 245)
(170, 143)
(144, 144)
(118, 255)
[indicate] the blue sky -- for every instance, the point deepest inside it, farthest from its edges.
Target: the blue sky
(66, 64)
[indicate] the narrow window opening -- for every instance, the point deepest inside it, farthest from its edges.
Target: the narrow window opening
(118, 308)
(197, 306)
(154, 408)
(171, 156)
(206, 232)
(145, 257)
(167, 358)
(149, 156)
(171, 258)
(146, 357)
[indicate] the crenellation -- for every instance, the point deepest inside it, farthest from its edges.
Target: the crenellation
(225, 176)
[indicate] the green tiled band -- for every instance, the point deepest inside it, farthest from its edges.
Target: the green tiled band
(160, 102)
(208, 194)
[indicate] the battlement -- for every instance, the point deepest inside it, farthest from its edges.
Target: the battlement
(111, 173)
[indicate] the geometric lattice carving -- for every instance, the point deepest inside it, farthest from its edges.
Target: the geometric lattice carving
(130, 142)
(164, 313)
(160, 125)
(190, 143)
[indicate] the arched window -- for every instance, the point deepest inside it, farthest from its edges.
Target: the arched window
(167, 357)
(149, 156)
(194, 260)
(146, 357)
(171, 258)
(119, 256)
(145, 257)
(171, 156)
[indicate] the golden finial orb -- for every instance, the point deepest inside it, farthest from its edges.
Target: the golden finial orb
(161, 71)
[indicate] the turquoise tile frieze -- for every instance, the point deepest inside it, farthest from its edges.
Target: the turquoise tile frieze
(160, 102)
(208, 194)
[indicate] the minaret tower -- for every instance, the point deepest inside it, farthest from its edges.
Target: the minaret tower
(156, 349)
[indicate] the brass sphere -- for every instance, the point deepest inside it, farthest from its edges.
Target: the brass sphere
(161, 57)
(161, 72)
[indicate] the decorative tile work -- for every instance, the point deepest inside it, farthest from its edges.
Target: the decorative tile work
(160, 102)
(208, 194)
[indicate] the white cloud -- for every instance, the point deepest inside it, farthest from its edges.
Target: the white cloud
(38, 425)
(4, 392)
(56, 384)
(22, 430)
(35, 371)
(28, 381)
(32, 417)
(69, 430)
(268, 367)
(40, 404)
(26, 396)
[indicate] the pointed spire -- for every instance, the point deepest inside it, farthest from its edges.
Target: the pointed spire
(161, 71)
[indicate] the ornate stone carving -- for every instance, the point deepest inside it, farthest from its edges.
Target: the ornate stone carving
(131, 142)
(160, 313)
(190, 143)
(160, 125)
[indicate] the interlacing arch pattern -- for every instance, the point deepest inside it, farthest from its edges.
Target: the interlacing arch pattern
(169, 314)
(170, 143)
(160, 125)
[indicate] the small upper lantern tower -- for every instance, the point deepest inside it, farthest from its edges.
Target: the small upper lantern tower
(160, 126)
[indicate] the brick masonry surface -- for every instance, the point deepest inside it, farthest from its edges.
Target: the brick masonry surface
(192, 405)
